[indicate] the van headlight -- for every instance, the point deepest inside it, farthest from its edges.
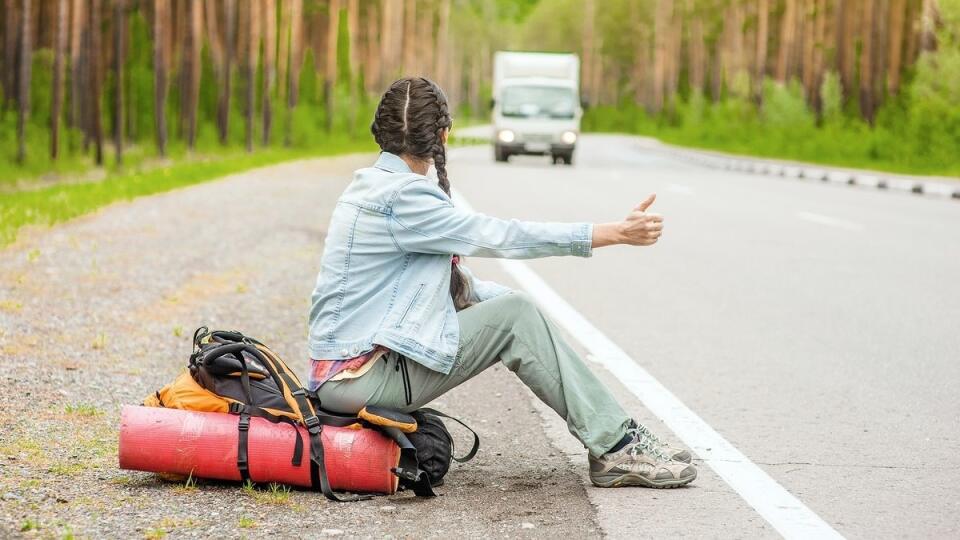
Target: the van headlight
(568, 137)
(506, 136)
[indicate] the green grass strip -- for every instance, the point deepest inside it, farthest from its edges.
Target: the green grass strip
(58, 203)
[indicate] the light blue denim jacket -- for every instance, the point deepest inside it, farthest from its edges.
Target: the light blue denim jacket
(385, 273)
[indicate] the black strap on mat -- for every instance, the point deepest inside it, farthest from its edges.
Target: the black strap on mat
(243, 461)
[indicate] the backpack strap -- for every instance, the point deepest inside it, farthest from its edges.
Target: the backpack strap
(409, 466)
(476, 438)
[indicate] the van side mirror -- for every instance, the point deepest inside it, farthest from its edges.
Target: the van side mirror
(584, 104)
(493, 103)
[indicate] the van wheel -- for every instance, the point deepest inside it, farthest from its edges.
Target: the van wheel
(500, 154)
(567, 158)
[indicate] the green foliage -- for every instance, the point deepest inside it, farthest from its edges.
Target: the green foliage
(918, 133)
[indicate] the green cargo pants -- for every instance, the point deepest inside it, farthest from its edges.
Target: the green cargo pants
(510, 329)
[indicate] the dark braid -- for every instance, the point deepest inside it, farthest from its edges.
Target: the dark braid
(410, 120)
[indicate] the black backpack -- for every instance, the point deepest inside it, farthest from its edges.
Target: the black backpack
(435, 447)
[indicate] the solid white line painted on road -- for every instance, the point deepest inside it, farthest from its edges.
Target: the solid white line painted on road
(829, 221)
(784, 512)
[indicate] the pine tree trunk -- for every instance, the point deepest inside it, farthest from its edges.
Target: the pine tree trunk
(410, 36)
(269, 65)
(253, 58)
(661, 41)
(848, 34)
(442, 68)
(11, 37)
(192, 59)
(588, 64)
(58, 69)
(119, 59)
(371, 56)
(353, 28)
(763, 29)
(160, 18)
(928, 17)
(788, 26)
(226, 75)
(283, 49)
(867, 104)
(895, 50)
(330, 64)
(296, 63)
(388, 33)
(25, 62)
(96, 124)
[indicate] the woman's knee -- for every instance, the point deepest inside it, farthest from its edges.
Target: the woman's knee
(518, 303)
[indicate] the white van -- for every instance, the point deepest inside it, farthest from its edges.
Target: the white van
(536, 105)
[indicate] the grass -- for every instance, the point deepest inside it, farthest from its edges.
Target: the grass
(82, 409)
(276, 494)
(54, 204)
(246, 523)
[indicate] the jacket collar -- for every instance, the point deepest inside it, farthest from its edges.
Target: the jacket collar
(391, 163)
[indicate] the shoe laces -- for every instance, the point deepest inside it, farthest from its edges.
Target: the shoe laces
(646, 443)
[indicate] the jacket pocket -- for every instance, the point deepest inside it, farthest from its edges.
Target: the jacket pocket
(410, 305)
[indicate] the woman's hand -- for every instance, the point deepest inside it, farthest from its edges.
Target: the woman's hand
(639, 228)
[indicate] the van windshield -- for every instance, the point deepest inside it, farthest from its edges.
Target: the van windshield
(538, 101)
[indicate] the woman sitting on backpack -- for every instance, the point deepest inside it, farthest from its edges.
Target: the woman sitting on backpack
(397, 320)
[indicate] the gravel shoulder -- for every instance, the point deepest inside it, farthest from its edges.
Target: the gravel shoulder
(98, 312)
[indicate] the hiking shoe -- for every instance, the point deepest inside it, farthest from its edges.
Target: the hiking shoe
(674, 453)
(642, 463)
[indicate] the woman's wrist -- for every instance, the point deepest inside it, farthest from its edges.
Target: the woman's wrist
(607, 234)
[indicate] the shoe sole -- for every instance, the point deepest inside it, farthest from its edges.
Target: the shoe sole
(636, 480)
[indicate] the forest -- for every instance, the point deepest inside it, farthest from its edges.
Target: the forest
(89, 83)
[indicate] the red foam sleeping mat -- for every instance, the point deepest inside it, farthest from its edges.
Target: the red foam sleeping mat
(156, 439)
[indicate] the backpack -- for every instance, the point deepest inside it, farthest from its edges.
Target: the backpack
(233, 373)
(229, 372)
(435, 447)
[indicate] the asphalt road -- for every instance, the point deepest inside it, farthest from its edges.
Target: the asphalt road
(813, 326)
(810, 325)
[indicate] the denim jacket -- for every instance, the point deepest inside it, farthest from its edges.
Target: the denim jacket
(385, 272)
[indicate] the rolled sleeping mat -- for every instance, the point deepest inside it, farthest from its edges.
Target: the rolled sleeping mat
(155, 439)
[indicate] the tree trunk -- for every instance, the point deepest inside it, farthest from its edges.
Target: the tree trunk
(229, 39)
(410, 36)
(94, 56)
(661, 43)
(848, 34)
(11, 40)
(119, 58)
(58, 61)
(253, 57)
(442, 69)
(296, 63)
(589, 49)
(763, 29)
(371, 56)
(330, 64)
(867, 105)
(269, 65)
(23, 79)
(353, 28)
(809, 36)
(928, 19)
(160, 18)
(895, 49)
(788, 27)
(388, 51)
(191, 67)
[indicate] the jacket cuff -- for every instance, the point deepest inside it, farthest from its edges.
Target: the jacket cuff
(582, 245)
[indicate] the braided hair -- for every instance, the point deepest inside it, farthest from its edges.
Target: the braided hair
(410, 119)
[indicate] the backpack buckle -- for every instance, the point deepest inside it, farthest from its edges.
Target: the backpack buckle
(244, 424)
(312, 423)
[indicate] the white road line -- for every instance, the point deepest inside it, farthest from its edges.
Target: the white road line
(829, 221)
(785, 513)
